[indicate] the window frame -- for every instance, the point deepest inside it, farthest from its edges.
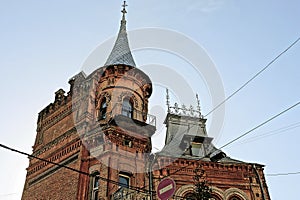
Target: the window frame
(103, 109)
(126, 177)
(127, 110)
(95, 186)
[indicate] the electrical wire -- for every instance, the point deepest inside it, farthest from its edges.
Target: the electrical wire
(260, 125)
(270, 133)
(72, 169)
(78, 171)
(226, 99)
(142, 189)
(283, 174)
(5, 195)
(251, 79)
(234, 140)
(147, 191)
(240, 88)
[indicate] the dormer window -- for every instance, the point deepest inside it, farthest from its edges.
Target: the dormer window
(103, 109)
(196, 149)
(127, 108)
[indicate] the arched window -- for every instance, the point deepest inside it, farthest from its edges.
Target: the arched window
(103, 109)
(127, 108)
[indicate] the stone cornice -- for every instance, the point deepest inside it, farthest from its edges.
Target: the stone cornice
(55, 142)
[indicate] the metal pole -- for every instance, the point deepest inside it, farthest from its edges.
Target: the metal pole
(152, 159)
(260, 183)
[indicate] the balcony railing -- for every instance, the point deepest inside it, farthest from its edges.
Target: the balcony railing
(128, 194)
(124, 193)
(134, 114)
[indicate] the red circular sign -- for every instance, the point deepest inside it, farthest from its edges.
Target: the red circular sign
(166, 188)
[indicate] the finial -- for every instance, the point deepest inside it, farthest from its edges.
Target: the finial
(168, 99)
(124, 9)
(198, 105)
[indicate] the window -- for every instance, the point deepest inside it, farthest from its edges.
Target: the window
(127, 108)
(103, 109)
(196, 149)
(95, 186)
(124, 180)
(127, 143)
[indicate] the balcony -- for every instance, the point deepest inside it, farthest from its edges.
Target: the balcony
(134, 114)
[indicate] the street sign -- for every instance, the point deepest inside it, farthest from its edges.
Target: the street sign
(166, 188)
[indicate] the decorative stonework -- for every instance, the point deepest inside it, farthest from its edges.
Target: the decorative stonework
(235, 192)
(100, 97)
(185, 111)
(55, 142)
(56, 158)
(127, 94)
(224, 195)
(183, 190)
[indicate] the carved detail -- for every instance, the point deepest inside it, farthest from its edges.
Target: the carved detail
(185, 111)
(130, 96)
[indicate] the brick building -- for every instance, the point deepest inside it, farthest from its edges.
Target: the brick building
(101, 131)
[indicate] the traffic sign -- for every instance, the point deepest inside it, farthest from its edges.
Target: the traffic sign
(166, 188)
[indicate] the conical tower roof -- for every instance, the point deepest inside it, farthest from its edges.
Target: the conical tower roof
(121, 53)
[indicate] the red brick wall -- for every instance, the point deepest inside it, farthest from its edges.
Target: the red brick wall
(59, 185)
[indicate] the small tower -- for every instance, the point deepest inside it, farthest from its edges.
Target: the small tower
(113, 122)
(186, 131)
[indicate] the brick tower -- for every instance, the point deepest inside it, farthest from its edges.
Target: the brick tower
(95, 142)
(114, 124)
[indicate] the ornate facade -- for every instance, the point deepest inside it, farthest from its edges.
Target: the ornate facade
(95, 142)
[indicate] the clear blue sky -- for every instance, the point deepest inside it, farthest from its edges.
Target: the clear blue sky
(44, 43)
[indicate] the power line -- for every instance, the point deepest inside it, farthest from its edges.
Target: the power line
(244, 85)
(251, 79)
(232, 141)
(283, 174)
(260, 125)
(75, 170)
(271, 133)
(5, 195)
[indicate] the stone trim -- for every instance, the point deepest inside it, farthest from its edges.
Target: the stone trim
(183, 190)
(52, 170)
(235, 192)
(67, 150)
(47, 123)
(54, 142)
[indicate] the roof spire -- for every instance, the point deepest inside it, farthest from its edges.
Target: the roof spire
(121, 53)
